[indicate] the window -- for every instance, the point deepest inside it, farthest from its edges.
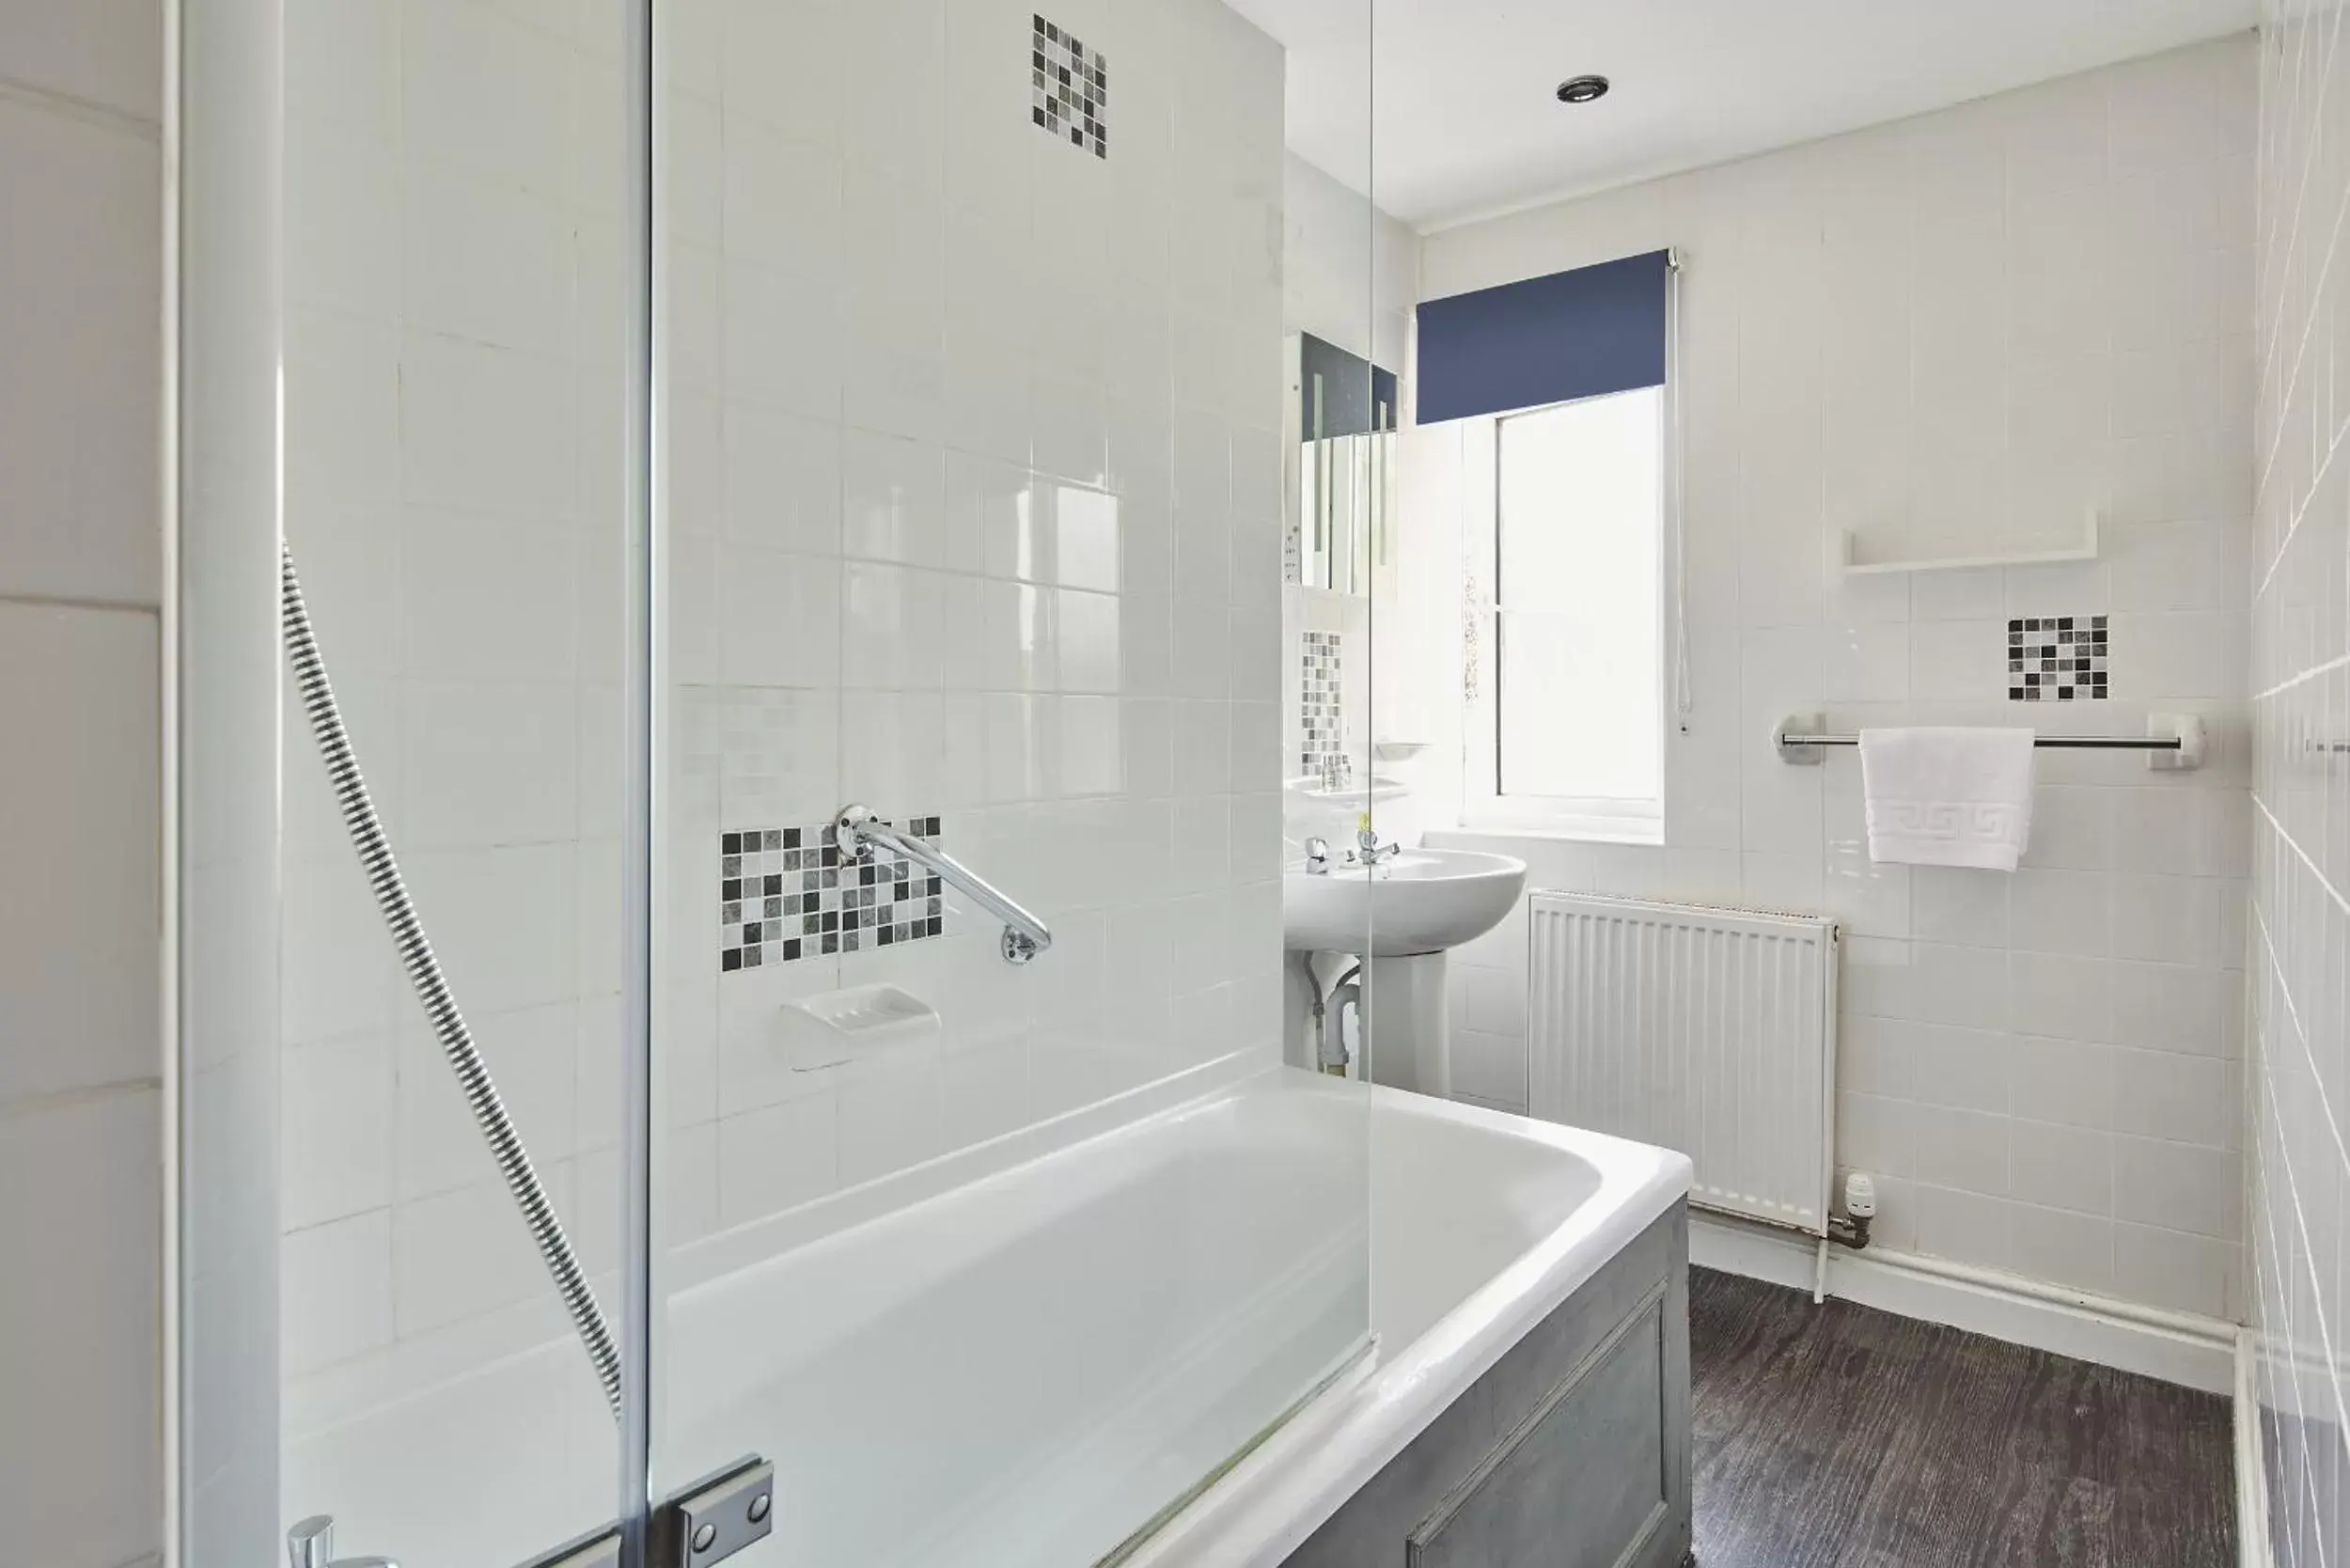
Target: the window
(1566, 566)
(1558, 388)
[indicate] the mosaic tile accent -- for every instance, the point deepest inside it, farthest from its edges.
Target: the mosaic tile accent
(787, 893)
(1321, 705)
(2058, 658)
(1069, 89)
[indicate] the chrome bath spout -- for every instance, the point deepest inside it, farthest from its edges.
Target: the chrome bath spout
(859, 832)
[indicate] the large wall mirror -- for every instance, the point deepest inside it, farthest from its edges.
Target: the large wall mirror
(1342, 496)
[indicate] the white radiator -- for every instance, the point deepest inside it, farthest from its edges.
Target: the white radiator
(1712, 1031)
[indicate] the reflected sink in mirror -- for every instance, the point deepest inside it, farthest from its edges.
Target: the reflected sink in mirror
(1420, 900)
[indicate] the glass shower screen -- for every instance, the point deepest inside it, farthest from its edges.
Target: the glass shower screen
(742, 745)
(976, 405)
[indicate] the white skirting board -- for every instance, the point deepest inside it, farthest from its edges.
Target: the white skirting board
(2177, 1347)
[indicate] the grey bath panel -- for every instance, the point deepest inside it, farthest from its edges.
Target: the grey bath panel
(1583, 1483)
(1573, 1450)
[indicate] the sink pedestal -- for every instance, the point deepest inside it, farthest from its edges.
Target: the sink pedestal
(1404, 1004)
(1407, 909)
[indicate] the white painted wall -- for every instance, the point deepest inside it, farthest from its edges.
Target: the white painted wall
(81, 575)
(2300, 936)
(1960, 329)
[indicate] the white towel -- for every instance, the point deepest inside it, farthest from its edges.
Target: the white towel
(1948, 796)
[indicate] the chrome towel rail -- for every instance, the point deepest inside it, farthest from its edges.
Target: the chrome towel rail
(2175, 739)
(2090, 742)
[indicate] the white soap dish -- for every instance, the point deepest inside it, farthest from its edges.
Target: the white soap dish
(842, 1026)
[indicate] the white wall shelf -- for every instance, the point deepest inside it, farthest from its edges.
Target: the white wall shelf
(2085, 549)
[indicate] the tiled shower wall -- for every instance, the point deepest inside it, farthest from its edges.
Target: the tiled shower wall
(993, 542)
(453, 211)
(973, 511)
(977, 519)
(1956, 331)
(2300, 950)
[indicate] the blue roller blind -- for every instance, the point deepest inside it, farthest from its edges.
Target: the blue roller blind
(1547, 340)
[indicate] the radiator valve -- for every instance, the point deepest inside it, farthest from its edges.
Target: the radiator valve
(1860, 1208)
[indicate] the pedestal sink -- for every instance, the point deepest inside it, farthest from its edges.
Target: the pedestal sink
(1399, 917)
(1415, 902)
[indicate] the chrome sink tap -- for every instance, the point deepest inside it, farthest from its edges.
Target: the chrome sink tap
(1370, 851)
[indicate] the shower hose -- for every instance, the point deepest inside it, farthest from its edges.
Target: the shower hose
(431, 988)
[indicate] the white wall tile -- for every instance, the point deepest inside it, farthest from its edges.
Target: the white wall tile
(476, 902)
(2068, 998)
(1963, 1225)
(485, 428)
(489, 762)
(1959, 904)
(110, 55)
(2176, 1185)
(483, 93)
(336, 1281)
(2060, 1246)
(487, 264)
(334, 1129)
(2061, 1167)
(2169, 1268)
(532, 1054)
(1962, 1149)
(2060, 912)
(1959, 1069)
(2065, 1081)
(1866, 662)
(2184, 1099)
(464, 1252)
(2166, 920)
(79, 453)
(81, 823)
(81, 1457)
(773, 1159)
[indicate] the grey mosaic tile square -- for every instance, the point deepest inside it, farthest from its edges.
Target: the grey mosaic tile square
(1069, 88)
(1321, 702)
(2057, 659)
(787, 893)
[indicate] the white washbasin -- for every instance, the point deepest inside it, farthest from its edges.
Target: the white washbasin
(1420, 901)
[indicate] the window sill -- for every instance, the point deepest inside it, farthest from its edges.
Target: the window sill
(1635, 835)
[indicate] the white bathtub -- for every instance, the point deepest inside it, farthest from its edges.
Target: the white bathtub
(1021, 1354)
(1482, 1223)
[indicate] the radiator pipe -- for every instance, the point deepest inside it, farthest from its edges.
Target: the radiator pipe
(1851, 1228)
(1852, 1233)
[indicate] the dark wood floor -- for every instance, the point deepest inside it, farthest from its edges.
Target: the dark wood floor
(1838, 1437)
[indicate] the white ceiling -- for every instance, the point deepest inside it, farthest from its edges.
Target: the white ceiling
(1467, 124)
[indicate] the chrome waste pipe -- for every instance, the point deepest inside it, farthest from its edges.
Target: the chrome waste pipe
(431, 988)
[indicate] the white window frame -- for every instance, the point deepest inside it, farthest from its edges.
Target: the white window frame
(1600, 819)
